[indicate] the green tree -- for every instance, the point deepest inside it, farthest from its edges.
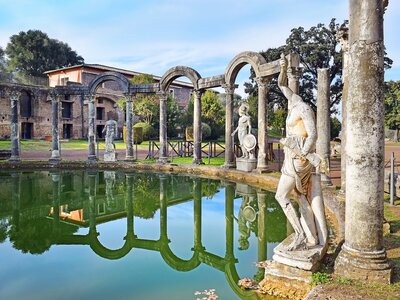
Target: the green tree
(317, 48)
(213, 113)
(173, 117)
(33, 53)
(392, 106)
(336, 127)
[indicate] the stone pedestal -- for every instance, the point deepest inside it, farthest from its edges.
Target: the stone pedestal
(306, 260)
(246, 164)
(110, 156)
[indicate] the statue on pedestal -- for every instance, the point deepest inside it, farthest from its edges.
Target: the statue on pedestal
(247, 162)
(111, 130)
(307, 245)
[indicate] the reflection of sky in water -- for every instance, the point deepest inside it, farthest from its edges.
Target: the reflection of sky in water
(66, 272)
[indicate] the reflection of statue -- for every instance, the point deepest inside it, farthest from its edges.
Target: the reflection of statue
(109, 177)
(300, 158)
(111, 130)
(246, 216)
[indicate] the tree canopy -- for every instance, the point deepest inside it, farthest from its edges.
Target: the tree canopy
(392, 106)
(317, 48)
(33, 53)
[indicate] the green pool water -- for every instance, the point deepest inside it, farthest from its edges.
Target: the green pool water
(131, 235)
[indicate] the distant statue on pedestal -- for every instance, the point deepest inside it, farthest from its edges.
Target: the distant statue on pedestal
(247, 141)
(111, 130)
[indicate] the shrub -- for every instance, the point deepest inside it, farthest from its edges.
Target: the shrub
(148, 131)
(205, 132)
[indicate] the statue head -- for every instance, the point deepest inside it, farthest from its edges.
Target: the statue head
(244, 109)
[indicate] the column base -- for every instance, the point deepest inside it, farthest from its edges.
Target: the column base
(163, 160)
(129, 158)
(197, 161)
(14, 159)
(54, 160)
(364, 266)
(92, 159)
(230, 165)
(262, 170)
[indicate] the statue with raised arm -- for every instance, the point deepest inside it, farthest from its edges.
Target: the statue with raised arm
(298, 172)
(111, 130)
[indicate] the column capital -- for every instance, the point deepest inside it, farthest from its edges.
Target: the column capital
(263, 81)
(162, 95)
(128, 97)
(229, 88)
(13, 94)
(294, 73)
(342, 37)
(198, 93)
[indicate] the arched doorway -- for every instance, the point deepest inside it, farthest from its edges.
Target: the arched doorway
(165, 82)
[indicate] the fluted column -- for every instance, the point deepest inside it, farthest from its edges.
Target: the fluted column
(363, 255)
(92, 131)
(263, 87)
(229, 141)
(15, 141)
(197, 131)
(323, 120)
(163, 128)
(343, 38)
(129, 129)
(55, 137)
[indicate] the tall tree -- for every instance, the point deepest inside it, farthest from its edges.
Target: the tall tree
(146, 106)
(317, 48)
(33, 53)
(392, 106)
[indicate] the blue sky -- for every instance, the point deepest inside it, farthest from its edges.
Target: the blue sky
(152, 36)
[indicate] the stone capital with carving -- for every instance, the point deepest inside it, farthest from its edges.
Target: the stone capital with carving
(13, 94)
(294, 73)
(229, 88)
(342, 37)
(162, 95)
(263, 81)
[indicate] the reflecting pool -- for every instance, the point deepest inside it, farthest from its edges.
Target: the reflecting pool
(132, 235)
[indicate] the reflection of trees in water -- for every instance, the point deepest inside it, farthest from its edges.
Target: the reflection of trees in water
(3, 230)
(146, 195)
(36, 236)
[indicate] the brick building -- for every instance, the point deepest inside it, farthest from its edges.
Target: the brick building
(35, 105)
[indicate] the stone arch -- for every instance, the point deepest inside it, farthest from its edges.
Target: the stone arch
(179, 71)
(109, 76)
(248, 57)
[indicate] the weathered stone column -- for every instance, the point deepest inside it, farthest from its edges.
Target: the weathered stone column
(229, 141)
(15, 142)
(163, 211)
(363, 255)
(229, 213)
(263, 87)
(92, 201)
(343, 37)
(130, 233)
(323, 120)
(197, 131)
(163, 128)
(92, 131)
(129, 129)
(55, 138)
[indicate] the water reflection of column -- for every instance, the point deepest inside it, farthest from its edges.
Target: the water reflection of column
(229, 198)
(197, 214)
(262, 225)
(129, 206)
(16, 197)
(163, 209)
(92, 201)
(55, 177)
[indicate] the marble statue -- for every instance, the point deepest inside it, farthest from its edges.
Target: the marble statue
(111, 130)
(298, 172)
(247, 141)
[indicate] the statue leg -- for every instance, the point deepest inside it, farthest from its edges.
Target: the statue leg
(285, 186)
(307, 221)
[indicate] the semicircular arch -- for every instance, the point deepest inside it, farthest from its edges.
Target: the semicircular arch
(109, 76)
(254, 59)
(176, 72)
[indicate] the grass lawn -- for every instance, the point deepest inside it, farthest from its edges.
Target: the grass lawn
(215, 161)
